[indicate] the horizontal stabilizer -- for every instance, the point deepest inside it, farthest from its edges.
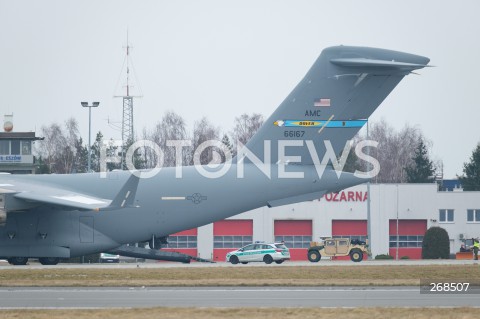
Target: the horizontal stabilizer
(372, 63)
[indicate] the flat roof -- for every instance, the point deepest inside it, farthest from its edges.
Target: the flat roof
(19, 135)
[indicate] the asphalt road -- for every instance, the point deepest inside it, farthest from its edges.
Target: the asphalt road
(229, 297)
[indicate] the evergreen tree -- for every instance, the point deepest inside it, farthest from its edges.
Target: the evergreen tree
(471, 180)
(95, 153)
(228, 146)
(137, 159)
(421, 170)
(351, 165)
(80, 164)
(41, 166)
(436, 244)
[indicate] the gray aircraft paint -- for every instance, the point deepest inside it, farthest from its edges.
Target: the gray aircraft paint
(72, 215)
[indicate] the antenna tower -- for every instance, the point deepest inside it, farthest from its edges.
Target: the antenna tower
(127, 117)
(128, 136)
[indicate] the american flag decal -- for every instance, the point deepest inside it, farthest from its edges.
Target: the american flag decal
(321, 102)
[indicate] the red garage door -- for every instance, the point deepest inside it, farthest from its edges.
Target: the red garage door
(184, 242)
(297, 235)
(229, 235)
(353, 229)
(410, 237)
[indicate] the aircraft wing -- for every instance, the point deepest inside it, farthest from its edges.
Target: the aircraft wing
(59, 197)
(24, 196)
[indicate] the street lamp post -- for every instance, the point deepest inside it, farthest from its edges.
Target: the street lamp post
(85, 104)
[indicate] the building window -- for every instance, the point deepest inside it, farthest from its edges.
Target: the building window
(406, 241)
(182, 242)
(4, 147)
(26, 148)
(473, 215)
(15, 147)
(362, 238)
(446, 215)
(231, 241)
(294, 241)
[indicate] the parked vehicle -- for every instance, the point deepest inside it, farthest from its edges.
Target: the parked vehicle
(109, 258)
(332, 247)
(268, 253)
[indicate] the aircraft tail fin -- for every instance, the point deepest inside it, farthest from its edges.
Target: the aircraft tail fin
(333, 101)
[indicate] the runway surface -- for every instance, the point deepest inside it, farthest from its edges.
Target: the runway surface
(32, 264)
(229, 297)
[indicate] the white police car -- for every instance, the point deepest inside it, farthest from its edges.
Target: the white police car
(268, 253)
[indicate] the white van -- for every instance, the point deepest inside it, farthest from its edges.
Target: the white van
(109, 258)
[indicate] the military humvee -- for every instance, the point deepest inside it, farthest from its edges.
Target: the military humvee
(332, 247)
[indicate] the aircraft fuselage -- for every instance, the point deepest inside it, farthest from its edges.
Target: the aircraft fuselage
(162, 208)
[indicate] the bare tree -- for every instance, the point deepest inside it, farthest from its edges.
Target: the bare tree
(438, 166)
(245, 126)
(72, 137)
(172, 127)
(51, 145)
(395, 150)
(147, 153)
(204, 131)
(60, 147)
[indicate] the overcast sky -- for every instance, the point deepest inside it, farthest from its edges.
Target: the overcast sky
(223, 58)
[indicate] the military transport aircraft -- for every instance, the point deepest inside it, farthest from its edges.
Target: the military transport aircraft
(51, 217)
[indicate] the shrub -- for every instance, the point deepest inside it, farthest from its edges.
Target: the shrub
(436, 244)
(383, 256)
(404, 257)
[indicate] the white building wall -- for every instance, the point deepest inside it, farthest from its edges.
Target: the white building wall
(407, 201)
(460, 202)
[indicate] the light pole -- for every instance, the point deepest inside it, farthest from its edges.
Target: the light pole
(396, 251)
(369, 216)
(85, 104)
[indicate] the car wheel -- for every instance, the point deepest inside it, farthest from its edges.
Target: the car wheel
(234, 260)
(49, 260)
(279, 261)
(244, 262)
(18, 261)
(314, 256)
(268, 259)
(356, 255)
